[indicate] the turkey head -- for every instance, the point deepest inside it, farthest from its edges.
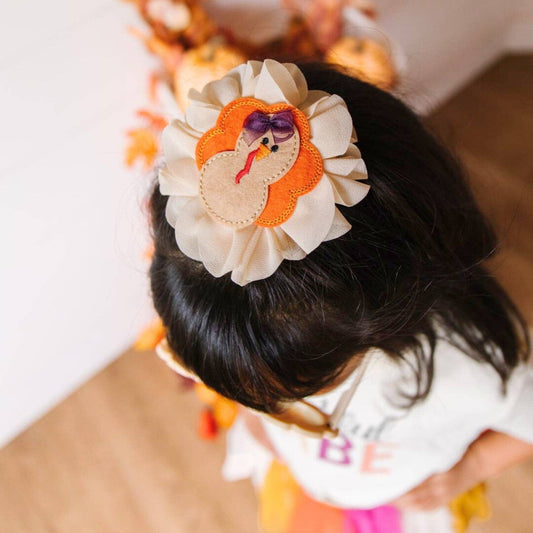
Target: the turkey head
(234, 185)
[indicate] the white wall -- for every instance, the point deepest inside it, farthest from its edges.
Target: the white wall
(73, 290)
(449, 42)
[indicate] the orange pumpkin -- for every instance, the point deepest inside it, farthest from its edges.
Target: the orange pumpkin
(201, 65)
(365, 59)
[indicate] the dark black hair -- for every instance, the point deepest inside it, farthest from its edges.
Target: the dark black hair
(411, 266)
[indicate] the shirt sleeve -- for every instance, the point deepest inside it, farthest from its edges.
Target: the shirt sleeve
(516, 415)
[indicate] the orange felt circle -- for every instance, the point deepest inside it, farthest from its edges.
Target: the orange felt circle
(300, 179)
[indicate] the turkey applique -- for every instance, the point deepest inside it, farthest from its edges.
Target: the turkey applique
(255, 163)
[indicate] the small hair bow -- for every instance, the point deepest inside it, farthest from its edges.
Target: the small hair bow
(257, 124)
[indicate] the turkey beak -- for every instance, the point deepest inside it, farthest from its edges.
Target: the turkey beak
(262, 152)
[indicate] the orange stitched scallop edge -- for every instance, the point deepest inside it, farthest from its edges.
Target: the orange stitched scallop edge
(300, 179)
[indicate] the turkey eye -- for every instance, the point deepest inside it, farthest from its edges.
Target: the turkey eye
(275, 148)
(265, 140)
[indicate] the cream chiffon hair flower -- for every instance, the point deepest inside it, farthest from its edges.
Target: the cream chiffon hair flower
(255, 169)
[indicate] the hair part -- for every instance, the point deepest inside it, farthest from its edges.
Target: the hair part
(410, 270)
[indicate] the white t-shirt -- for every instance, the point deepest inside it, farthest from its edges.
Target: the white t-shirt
(383, 450)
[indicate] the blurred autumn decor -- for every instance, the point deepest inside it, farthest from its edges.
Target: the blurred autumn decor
(193, 49)
(194, 46)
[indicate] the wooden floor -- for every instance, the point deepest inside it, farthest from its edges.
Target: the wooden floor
(121, 453)
(490, 125)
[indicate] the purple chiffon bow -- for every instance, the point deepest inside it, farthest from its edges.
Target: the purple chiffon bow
(258, 123)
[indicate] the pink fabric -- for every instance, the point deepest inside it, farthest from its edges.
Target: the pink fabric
(384, 519)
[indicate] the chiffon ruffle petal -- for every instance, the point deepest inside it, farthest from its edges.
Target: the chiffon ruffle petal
(247, 74)
(215, 243)
(174, 207)
(346, 163)
(179, 140)
(312, 217)
(300, 82)
(205, 107)
(347, 190)
(179, 178)
(260, 258)
(284, 242)
(339, 226)
(277, 84)
(331, 126)
(313, 98)
(260, 255)
(202, 116)
(187, 227)
(223, 91)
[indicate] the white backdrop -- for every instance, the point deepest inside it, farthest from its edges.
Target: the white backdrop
(72, 281)
(73, 288)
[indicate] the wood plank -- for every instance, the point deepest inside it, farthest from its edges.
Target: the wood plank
(121, 454)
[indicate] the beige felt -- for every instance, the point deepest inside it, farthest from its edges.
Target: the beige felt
(240, 204)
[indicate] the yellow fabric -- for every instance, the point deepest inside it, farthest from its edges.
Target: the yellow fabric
(277, 499)
(225, 411)
(471, 504)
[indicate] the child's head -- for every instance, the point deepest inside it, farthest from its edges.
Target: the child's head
(411, 261)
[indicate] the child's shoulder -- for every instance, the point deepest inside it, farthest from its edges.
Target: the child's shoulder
(466, 396)
(458, 381)
(472, 393)
(455, 369)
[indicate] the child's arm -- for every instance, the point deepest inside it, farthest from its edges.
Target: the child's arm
(489, 455)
